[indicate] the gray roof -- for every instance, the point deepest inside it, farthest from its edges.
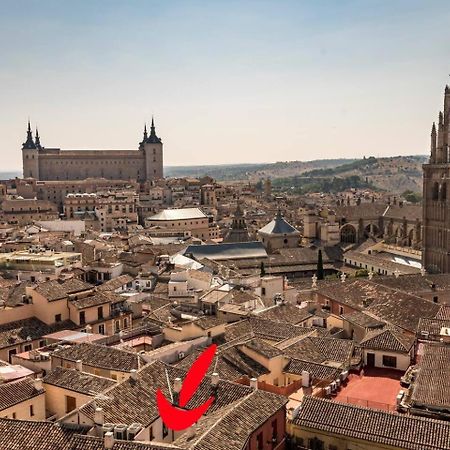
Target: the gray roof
(178, 214)
(279, 226)
(232, 250)
(370, 425)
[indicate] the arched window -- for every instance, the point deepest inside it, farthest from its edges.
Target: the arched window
(444, 191)
(435, 191)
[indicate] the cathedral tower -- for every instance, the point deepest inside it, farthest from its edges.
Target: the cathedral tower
(436, 197)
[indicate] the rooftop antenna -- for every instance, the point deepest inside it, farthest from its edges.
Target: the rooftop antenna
(168, 384)
(215, 365)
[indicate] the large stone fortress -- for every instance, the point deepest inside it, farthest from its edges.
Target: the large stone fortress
(436, 195)
(144, 164)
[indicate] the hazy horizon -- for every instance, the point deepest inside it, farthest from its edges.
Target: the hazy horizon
(228, 82)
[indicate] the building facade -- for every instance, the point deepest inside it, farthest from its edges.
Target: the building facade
(436, 198)
(144, 164)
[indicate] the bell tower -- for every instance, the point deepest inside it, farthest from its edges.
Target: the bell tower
(436, 196)
(30, 155)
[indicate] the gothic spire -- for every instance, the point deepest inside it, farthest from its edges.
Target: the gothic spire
(29, 143)
(145, 132)
(37, 139)
(153, 139)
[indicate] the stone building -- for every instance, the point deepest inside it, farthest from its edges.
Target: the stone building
(57, 191)
(397, 224)
(238, 231)
(19, 211)
(436, 198)
(43, 163)
(279, 234)
(193, 220)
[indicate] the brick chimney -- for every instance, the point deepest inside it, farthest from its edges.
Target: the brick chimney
(99, 417)
(108, 440)
(214, 379)
(177, 385)
(38, 384)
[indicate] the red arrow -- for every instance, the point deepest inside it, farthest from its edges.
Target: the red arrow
(173, 416)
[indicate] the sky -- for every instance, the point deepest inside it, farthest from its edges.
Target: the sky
(227, 81)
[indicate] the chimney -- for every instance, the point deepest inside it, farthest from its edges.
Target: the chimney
(214, 379)
(38, 384)
(108, 441)
(79, 365)
(133, 374)
(99, 417)
(254, 383)
(177, 385)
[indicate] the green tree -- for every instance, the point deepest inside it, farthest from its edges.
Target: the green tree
(413, 197)
(320, 274)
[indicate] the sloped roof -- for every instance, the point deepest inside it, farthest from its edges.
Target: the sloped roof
(432, 385)
(33, 435)
(381, 427)
(77, 381)
(178, 214)
(279, 226)
(232, 250)
(387, 339)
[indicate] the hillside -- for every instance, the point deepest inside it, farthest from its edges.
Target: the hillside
(394, 174)
(254, 172)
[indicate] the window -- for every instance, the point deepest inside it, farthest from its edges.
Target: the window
(259, 442)
(82, 317)
(274, 430)
(389, 361)
(125, 323)
(435, 191)
(101, 329)
(71, 403)
(13, 415)
(165, 431)
(263, 291)
(31, 410)
(435, 299)
(27, 347)
(117, 326)
(444, 191)
(100, 312)
(316, 444)
(11, 353)
(58, 318)
(152, 436)
(341, 310)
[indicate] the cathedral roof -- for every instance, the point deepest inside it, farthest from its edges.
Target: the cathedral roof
(279, 226)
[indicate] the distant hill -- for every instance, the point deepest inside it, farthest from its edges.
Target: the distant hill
(394, 174)
(253, 171)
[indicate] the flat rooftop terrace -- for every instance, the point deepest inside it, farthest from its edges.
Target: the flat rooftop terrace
(374, 388)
